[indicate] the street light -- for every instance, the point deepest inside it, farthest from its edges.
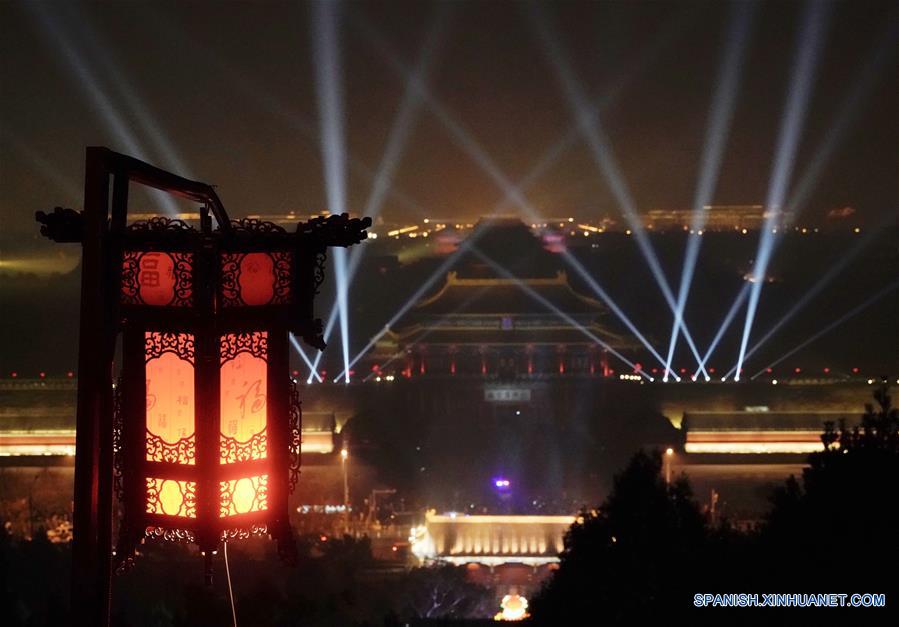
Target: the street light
(669, 453)
(344, 456)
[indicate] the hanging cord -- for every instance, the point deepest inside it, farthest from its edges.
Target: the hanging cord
(230, 591)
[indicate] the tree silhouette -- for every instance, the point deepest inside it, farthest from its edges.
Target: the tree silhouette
(442, 592)
(625, 561)
(841, 523)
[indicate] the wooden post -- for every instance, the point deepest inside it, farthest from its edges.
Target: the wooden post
(92, 516)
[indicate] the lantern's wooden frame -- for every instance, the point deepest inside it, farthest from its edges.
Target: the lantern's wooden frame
(102, 229)
(207, 308)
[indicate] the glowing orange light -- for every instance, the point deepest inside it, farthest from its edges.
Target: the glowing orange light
(170, 406)
(514, 607)
(243, 398)
(244, 495)
(171, 498)
(254, 279)
(156, 278)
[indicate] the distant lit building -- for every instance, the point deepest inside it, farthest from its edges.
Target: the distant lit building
(483, 324)
(714, 218)
(490, 540)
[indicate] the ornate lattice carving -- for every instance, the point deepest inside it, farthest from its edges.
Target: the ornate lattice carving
(283, 272)
(170, 534)
(230, 279)
(254, 343)
(242, 533)
(233, 451)
(318, 271)
(181, 452)
(231, 504)
(160, 493)
(254, 226)
(130, 274)
(161, 223)
(117, 441)
(157, 343)
(182, 279)
(232, 264)
(295, 435)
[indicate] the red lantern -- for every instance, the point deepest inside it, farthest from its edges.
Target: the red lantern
(206, 427)
(209, 418)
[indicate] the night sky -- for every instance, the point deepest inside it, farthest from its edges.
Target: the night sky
(230, 89)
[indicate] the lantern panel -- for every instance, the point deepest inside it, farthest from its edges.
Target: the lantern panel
(255, 279)
(244, 495)
(243, 397)
(170, 398)
(162, 279)
(170, 497)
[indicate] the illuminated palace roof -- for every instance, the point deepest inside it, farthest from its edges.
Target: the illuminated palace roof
(524, 320)
(500, 311)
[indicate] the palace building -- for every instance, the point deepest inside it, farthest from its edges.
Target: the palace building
(528, 323)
